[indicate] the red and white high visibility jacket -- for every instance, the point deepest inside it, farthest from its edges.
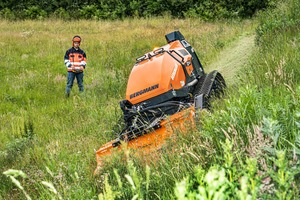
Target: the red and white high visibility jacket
(75, 58)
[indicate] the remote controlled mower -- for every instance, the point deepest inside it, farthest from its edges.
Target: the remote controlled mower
(164, 89)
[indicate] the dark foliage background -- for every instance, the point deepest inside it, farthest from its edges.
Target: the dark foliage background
(119, 9)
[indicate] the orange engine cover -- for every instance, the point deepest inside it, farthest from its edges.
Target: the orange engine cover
(159, 73)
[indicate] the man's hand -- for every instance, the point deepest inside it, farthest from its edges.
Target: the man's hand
(77, 69)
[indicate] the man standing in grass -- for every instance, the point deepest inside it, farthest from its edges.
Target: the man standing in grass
(75, 61)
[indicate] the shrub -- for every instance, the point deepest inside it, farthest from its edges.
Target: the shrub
(6, 13)
(35, 12)
(90, 12)
(61, 13)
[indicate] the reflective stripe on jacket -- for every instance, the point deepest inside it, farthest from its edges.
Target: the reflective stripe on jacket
(75, 57)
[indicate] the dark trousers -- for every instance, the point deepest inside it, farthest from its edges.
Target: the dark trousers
(70, 81)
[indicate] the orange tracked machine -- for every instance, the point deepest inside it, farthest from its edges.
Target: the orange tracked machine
(164, 89)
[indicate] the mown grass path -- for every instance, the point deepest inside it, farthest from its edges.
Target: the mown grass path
(233, 58)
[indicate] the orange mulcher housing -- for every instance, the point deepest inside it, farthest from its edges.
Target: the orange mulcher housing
(164, 88)
(159, 72)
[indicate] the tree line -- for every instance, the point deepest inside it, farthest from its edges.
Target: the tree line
(120, 9)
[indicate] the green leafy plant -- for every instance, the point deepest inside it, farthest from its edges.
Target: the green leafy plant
(7, 14)
(35, 12)
(90, 12)
(284, 177)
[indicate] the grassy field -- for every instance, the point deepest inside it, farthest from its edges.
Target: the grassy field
(52, 138)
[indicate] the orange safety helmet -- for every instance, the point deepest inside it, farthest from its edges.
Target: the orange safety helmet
(76, 38)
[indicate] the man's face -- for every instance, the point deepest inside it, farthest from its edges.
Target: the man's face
(76, 44)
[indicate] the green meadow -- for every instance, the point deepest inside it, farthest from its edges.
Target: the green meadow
(246, 148)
